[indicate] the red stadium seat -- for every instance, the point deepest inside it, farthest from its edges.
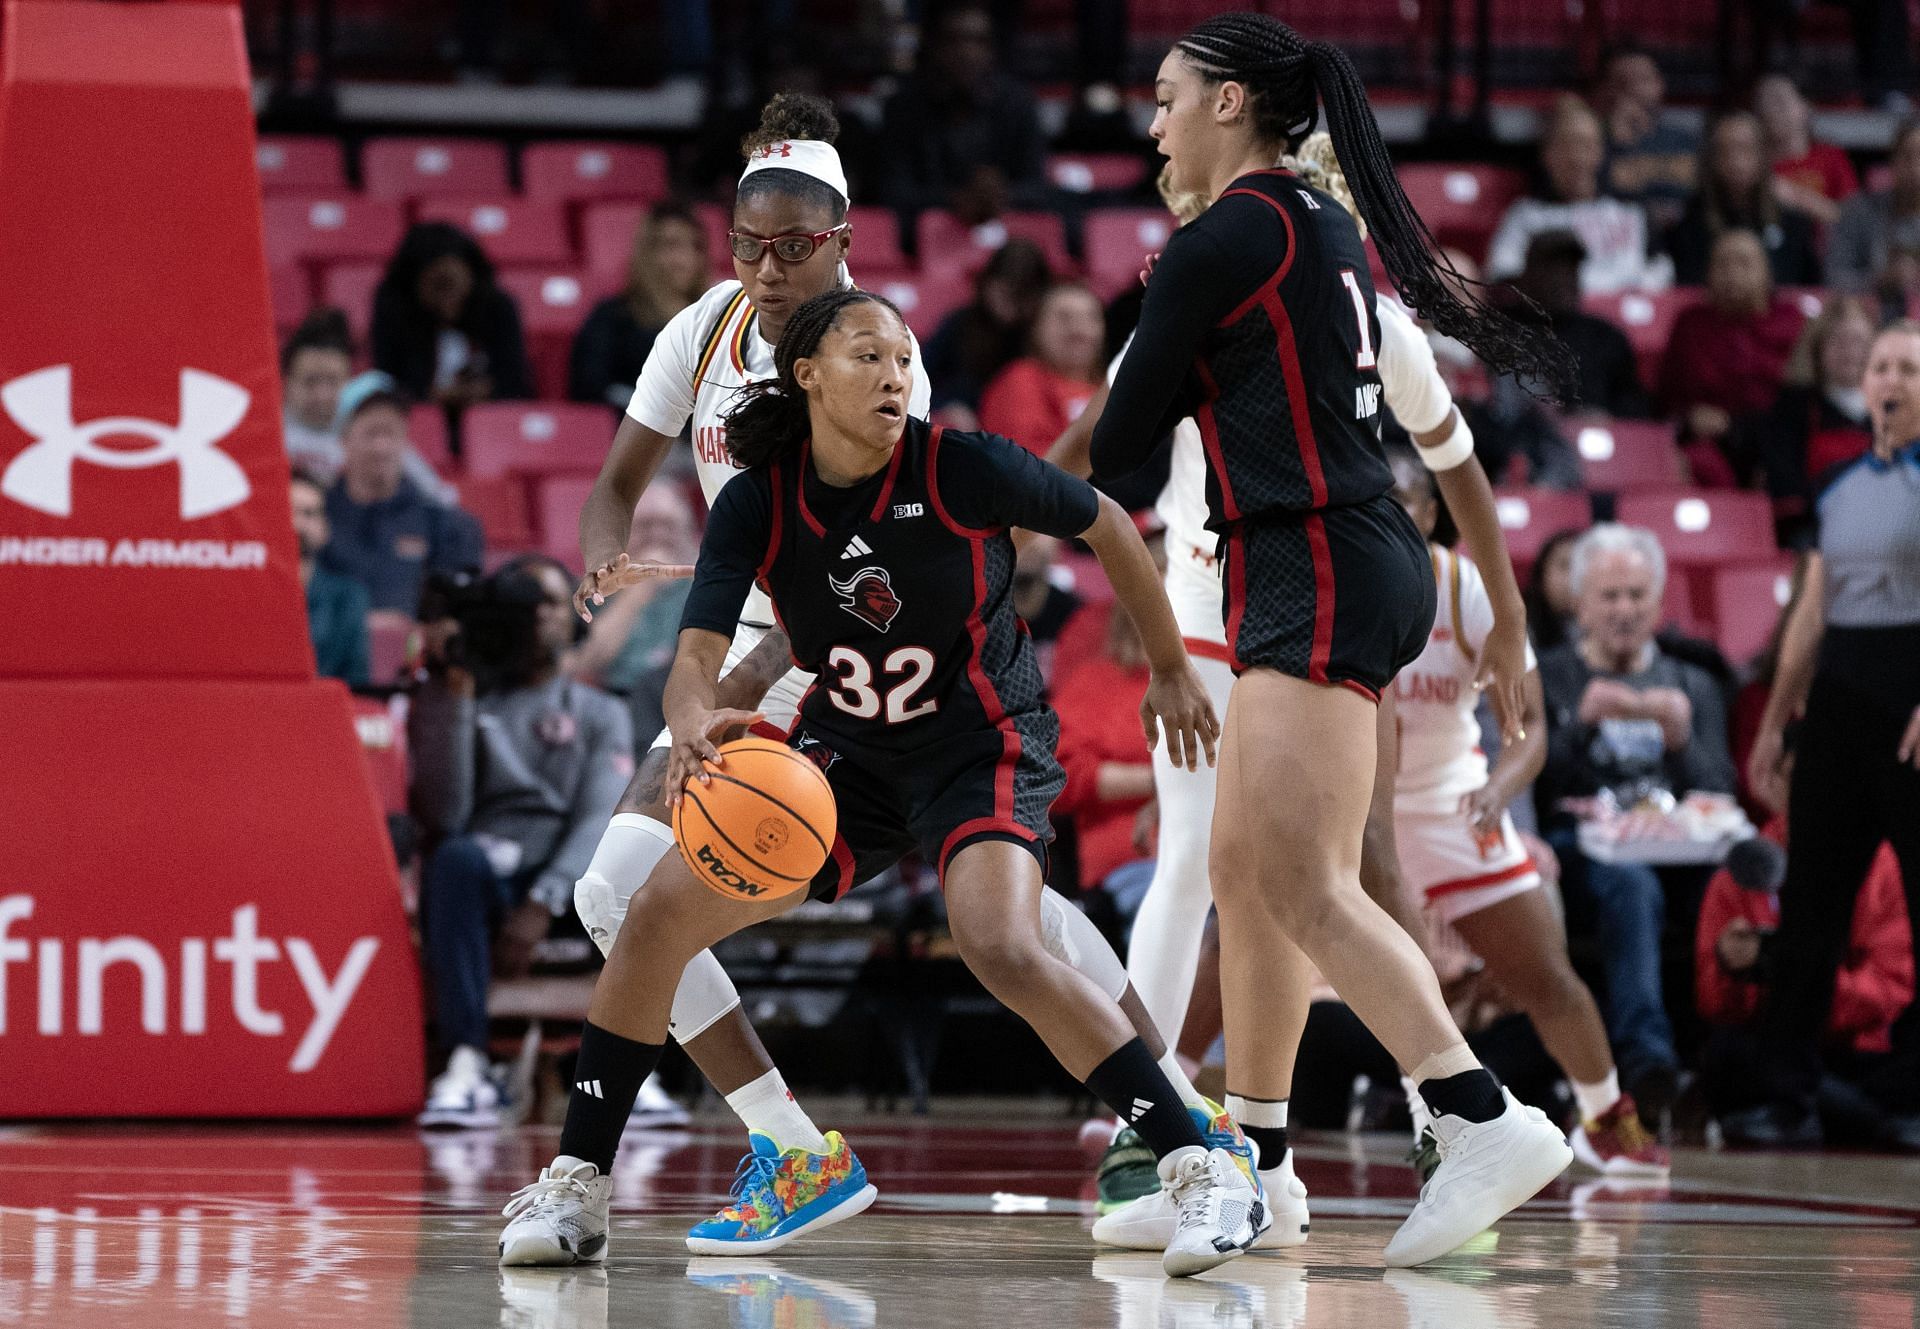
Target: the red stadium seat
(1118, 242)
(324, 230)
(876, 242)
(349, 287)
(427, 432)
(1748, 600)
(923, 298)
(300, 164)
(1704, 527)
(407, 168)
(607, 232)
(1646, 319)
(557, 503)
(716, 221)
(1461, 202)
(499, 504)
(590, 172)
(522, 438)
(291, 290)
(1096, 172)
(947, 244)
(383, 736)
(509, 230)
(1680, 606)
(553, 303)
(1531, 517)
(1619, 455)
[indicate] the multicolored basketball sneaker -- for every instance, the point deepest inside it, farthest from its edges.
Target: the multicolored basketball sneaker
(1615, 1143)
(778, 1194)
(1128, 1170)
(1147, 1223)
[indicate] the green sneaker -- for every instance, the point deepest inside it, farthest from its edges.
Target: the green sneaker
(1128, 1170)
(1425, 1156)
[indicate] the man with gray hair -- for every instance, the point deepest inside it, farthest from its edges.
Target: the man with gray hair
(1626, 719)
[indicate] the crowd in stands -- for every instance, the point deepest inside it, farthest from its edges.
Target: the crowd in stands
(1720, 291)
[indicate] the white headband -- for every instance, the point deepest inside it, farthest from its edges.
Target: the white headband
(808, 156)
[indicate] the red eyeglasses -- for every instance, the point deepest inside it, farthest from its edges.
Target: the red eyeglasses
(750, 249)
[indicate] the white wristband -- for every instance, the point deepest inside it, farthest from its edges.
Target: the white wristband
(1452, 450)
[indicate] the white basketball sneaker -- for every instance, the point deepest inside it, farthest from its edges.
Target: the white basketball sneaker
(1220, 1212)
(559, 1219)
(655, 1109)
(1486, 1170)
(467, 1095)
(1286, 1197)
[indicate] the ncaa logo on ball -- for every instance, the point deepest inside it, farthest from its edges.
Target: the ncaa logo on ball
(771, 835)
(716, 867)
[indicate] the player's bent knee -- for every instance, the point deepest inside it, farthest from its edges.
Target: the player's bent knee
(702, 1000)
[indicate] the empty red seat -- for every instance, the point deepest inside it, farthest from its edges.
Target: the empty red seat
(947, 244)
(300, 163)
(1646, 319)
(499, 504)
(383, 736)
(607, 231)
(1702, 527)
(322, 230)
(510, 230)
(1461, 202)
(1619, 455)
(427, 432)
(553, 303)
(716, 221)
(1748, 600)
(557, 438)
(1096, 172)
(557, 503)
(291, 292)
(433, 167)
(876, 241)
(1118, 241)
(349, 287)
(587, 172)
(924, 298)
(1531, 517)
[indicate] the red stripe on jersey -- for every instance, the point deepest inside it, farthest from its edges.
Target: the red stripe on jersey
(1271, 284)
(1208, 650)
(1236, 595)
(977, 630)
(842, 859)
(1322, 598)
(1514, 873)
(933, 492)
(773, 527)
(766, 729)
(974, 827)
(800, 492)
(1297, 396)
(1210, 440)
(1355, 685)
(893, 473)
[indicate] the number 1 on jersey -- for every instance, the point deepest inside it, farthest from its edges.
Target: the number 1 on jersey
(1366, 358)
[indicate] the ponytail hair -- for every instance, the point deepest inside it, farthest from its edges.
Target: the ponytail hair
(1288, 80)
(769, 416)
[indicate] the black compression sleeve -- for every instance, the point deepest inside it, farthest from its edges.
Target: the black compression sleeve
(730, 554)
(987, 482)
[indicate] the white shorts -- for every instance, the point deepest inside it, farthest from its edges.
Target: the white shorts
(781, 705)
(1193, 587)
(1454, 874)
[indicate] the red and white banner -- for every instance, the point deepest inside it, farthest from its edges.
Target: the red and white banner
(198, 907)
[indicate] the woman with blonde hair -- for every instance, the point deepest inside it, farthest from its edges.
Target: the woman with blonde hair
(1819, 420)
(666, 273)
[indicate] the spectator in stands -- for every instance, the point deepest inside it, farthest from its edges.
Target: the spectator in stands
(443, 328)
(1737, 193)
(1819, 421)
(1733, 946)
(1609, 378)
(1036, 397)
(1651, 159)
(668, 272)
(1551, 608)
(336, 605)
(978, 340)
(1566, 196)
(1626, 720)
(1043, 596)
(1813, 177)
(387, 534)
(516, 768)
(1876, 225)
(629, 647)
(962, 133)
(315, 365)
(1726, 358)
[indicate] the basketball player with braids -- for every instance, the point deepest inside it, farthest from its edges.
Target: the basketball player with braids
(1260, 323)
(929, 722)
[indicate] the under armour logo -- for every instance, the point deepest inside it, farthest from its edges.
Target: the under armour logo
(775, 150)
(41, 477)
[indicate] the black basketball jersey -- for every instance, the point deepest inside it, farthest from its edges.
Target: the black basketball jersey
(1259, 323)
(897, 592)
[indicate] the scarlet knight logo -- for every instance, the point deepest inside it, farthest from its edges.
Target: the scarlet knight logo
(869, 596)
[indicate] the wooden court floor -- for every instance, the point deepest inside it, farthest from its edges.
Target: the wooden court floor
(980, 1225)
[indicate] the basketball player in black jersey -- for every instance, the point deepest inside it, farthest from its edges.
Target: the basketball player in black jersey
(883, 545)
(1259, 323)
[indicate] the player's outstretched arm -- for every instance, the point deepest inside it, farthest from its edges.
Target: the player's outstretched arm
(1072, 452)
(690, 706)
(1176, 697)
(606, 519)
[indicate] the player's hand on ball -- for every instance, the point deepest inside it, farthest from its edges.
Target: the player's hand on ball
(693, 746)
(1502, 673)
(1178, 700)
(621, 573)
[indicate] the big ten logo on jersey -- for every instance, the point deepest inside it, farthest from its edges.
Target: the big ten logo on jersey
(710, 446)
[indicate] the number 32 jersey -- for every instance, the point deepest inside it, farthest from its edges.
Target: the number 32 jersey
(897, 591)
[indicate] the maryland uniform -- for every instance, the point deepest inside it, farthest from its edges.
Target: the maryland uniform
(1441, 761)
(700, 361)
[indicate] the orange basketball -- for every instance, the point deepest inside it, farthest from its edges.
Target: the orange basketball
(762, 827)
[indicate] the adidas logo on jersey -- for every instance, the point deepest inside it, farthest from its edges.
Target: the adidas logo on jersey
(591, 1088)
(856, 548)
(1141, 1106)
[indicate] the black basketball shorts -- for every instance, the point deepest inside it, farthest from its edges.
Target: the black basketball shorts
(953, 791)
(1342, 596)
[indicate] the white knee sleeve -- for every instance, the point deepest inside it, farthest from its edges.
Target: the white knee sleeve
(704, 995)
(1070, 935)
(629, 848)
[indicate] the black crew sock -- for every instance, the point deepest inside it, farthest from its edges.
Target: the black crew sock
(1474, 1095)
(1133, 1085)
(606, 1080)
(1271, 1141)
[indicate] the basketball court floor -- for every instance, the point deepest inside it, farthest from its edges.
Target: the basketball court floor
(979, 1225)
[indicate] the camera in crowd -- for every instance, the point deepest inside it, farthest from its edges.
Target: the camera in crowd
(495, 620)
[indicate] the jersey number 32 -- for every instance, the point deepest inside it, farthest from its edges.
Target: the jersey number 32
(853, 691)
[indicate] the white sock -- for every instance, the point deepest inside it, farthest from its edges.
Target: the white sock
(1416, 1107)
(1182, 1085)
(1595, 1099)
(767, 1105)
(1271, 1114)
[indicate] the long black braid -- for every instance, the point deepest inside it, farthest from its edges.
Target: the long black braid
(1287, 80)
(769, 416)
